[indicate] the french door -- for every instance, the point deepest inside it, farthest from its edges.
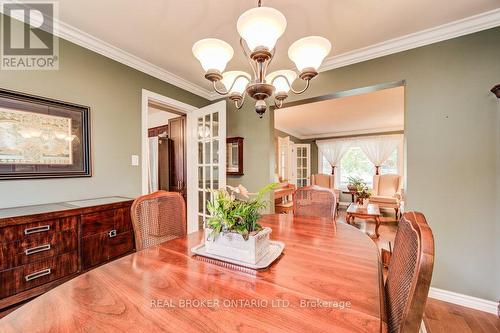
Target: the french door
(302, 157)
(206, 160)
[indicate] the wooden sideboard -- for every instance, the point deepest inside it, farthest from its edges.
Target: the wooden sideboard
(45, 245)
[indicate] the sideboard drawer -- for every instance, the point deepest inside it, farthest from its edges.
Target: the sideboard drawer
(97, 249)
(121, 244)
(31, 249)
(99, 222)
(37, 229)
(31, 275)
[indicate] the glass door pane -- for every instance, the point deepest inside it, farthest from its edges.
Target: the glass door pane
(303, 164)
(208, 161)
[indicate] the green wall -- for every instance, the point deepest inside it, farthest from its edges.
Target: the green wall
(451, 127)
(258, 145)
(113, 91)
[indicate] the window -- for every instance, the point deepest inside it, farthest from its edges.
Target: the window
(355, 164)
(325, 167)
(391, 164)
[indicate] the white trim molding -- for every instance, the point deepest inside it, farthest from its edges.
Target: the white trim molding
(464, 300)
(333, 135)
(99, 46)
(443, 32)
(468, 25)
(90, 42)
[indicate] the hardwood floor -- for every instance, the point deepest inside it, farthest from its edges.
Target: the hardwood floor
(446, 317)
(439, 317)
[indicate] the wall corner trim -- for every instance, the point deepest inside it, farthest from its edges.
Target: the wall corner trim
(464, 300)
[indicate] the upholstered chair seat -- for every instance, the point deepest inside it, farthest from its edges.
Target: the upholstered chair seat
(381, 199)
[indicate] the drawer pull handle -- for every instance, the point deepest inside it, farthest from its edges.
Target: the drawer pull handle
(37, 249)
(34, 230)
(38, 274)
(112, 233)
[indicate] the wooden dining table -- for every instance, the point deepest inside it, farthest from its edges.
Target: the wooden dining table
(328, 279)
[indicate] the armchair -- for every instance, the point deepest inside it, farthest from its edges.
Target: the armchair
(387, 191)
(327, 181)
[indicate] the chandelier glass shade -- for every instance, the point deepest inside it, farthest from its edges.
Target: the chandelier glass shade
(213, 54)
(259, 29)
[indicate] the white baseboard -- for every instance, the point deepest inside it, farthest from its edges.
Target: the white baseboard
(464, 300)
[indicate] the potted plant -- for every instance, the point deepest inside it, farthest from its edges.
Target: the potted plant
(232, 230)
(359, 188)
(354, 183)
(362, 194)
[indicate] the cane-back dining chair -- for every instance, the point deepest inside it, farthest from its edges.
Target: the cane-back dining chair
(410, 273)
(314, 201)
(157, 218)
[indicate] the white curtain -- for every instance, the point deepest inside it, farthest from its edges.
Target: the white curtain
(153, 164)
(333, 150)
(379, 148)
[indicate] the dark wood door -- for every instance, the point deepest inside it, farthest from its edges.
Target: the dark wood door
(177, 133)
(164, 145)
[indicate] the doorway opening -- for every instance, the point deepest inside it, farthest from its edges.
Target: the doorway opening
(166, 150)
(347, 137)
(198, 154)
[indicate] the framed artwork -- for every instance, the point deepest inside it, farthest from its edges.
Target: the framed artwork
(234, 158)
(43, 138)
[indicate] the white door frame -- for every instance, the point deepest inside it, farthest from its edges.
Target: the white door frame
(148, 96)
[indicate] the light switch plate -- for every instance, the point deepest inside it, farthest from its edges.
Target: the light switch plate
(135, 160)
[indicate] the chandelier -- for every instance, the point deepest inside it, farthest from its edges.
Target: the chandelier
(259, 29)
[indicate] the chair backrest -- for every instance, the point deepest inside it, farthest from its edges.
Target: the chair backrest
(386, 185)
(323, 180)
(410, 273)
(314, 201)
(157, 218)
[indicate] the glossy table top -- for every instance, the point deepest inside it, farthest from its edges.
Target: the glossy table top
(327, 280)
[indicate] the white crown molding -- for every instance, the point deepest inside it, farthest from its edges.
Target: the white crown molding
(92, 43)
(443, 32)
(356, 132)
(340, 134)
(289, 131)
(446, 31)
(464, 300)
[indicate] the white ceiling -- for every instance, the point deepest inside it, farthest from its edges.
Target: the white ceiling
(162, 32)
(375, 112)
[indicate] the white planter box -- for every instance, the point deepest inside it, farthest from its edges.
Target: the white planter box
(233, 246)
